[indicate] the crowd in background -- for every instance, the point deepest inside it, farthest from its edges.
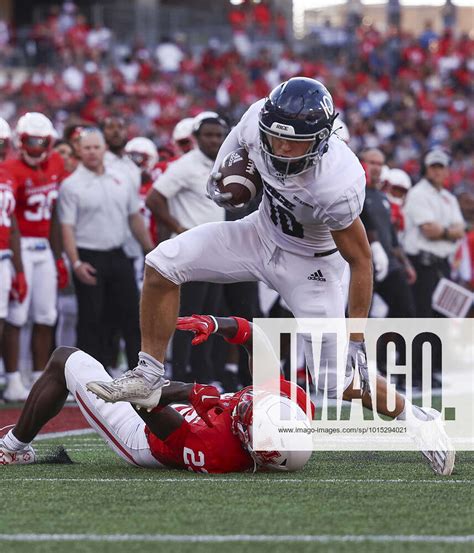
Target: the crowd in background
(397, 94)
(394, 90)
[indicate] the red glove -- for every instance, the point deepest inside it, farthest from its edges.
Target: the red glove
(202, 326)
(203, 398)
(62, 273)
(19, 287)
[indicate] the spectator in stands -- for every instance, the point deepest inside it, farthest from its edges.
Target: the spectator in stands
(97, 207)
(169, 56)
(179, 201)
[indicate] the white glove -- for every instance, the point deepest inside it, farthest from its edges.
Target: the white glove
(214, 194)
(380, 260)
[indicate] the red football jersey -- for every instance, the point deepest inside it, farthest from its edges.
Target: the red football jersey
(197, 447)
(7, 205)
(37, 193)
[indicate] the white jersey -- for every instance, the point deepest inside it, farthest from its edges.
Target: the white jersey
(297, 213)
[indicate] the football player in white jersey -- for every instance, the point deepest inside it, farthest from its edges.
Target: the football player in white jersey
(299, 241)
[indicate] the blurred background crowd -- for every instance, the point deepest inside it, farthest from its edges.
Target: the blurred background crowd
(402, 95)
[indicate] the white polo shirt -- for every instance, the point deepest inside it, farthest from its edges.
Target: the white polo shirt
(126, 165)
(97, 206)
(427, 204)
(133, 176)
(183, 184)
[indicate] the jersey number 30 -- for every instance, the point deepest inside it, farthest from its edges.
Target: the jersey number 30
(40, 206)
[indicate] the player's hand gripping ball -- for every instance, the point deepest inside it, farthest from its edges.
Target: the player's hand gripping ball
(239, 177)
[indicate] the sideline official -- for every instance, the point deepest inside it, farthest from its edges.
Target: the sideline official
(97, 209)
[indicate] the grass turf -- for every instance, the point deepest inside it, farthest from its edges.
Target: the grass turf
(110, 497)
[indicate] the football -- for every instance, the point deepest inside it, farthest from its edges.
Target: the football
(240, 177)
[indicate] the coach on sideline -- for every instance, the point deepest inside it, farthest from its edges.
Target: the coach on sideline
(97, 208)
(433, 227)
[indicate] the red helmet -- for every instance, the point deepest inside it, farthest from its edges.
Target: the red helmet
(34, 137)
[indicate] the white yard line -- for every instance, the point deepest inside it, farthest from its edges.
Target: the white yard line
(243, 480)
(51, 435)
(183, 538)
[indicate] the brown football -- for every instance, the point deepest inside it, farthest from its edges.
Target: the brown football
(240, 177)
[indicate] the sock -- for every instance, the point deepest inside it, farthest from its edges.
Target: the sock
(232, 368)
(149, 367)
(12, 443)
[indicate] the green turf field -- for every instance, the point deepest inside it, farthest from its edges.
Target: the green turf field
(377, 498)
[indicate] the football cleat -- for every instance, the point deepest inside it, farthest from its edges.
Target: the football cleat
(434, 443)
(133, 387)
(24, 456)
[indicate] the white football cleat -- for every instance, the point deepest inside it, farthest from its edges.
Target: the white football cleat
(132, 387)
(434, 443)
(24, 456)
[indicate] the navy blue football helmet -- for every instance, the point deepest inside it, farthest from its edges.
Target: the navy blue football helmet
(299, 109)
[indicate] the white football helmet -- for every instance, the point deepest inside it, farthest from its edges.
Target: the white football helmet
(399, 183)
(142, 151)
(34, 137)
(5, 136)
(183, 129)
(273, 410)
(183, 135)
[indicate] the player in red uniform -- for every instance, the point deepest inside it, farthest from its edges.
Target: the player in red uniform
(37, 172)
(211, 435)
(10, 254)
(142, 151)
(398, 184)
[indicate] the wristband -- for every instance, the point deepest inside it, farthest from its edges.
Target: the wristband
(216, 326)
(243, 333)
(76, 264)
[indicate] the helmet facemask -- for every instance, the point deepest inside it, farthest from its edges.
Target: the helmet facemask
(282, 166)
(298, 110)
(242, 427)
(35, 149)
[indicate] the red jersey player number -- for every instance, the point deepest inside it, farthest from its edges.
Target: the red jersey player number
(39, 206)
(194, 460)
(7, 207)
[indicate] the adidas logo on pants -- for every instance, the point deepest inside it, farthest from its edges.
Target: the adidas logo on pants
(317, 275)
